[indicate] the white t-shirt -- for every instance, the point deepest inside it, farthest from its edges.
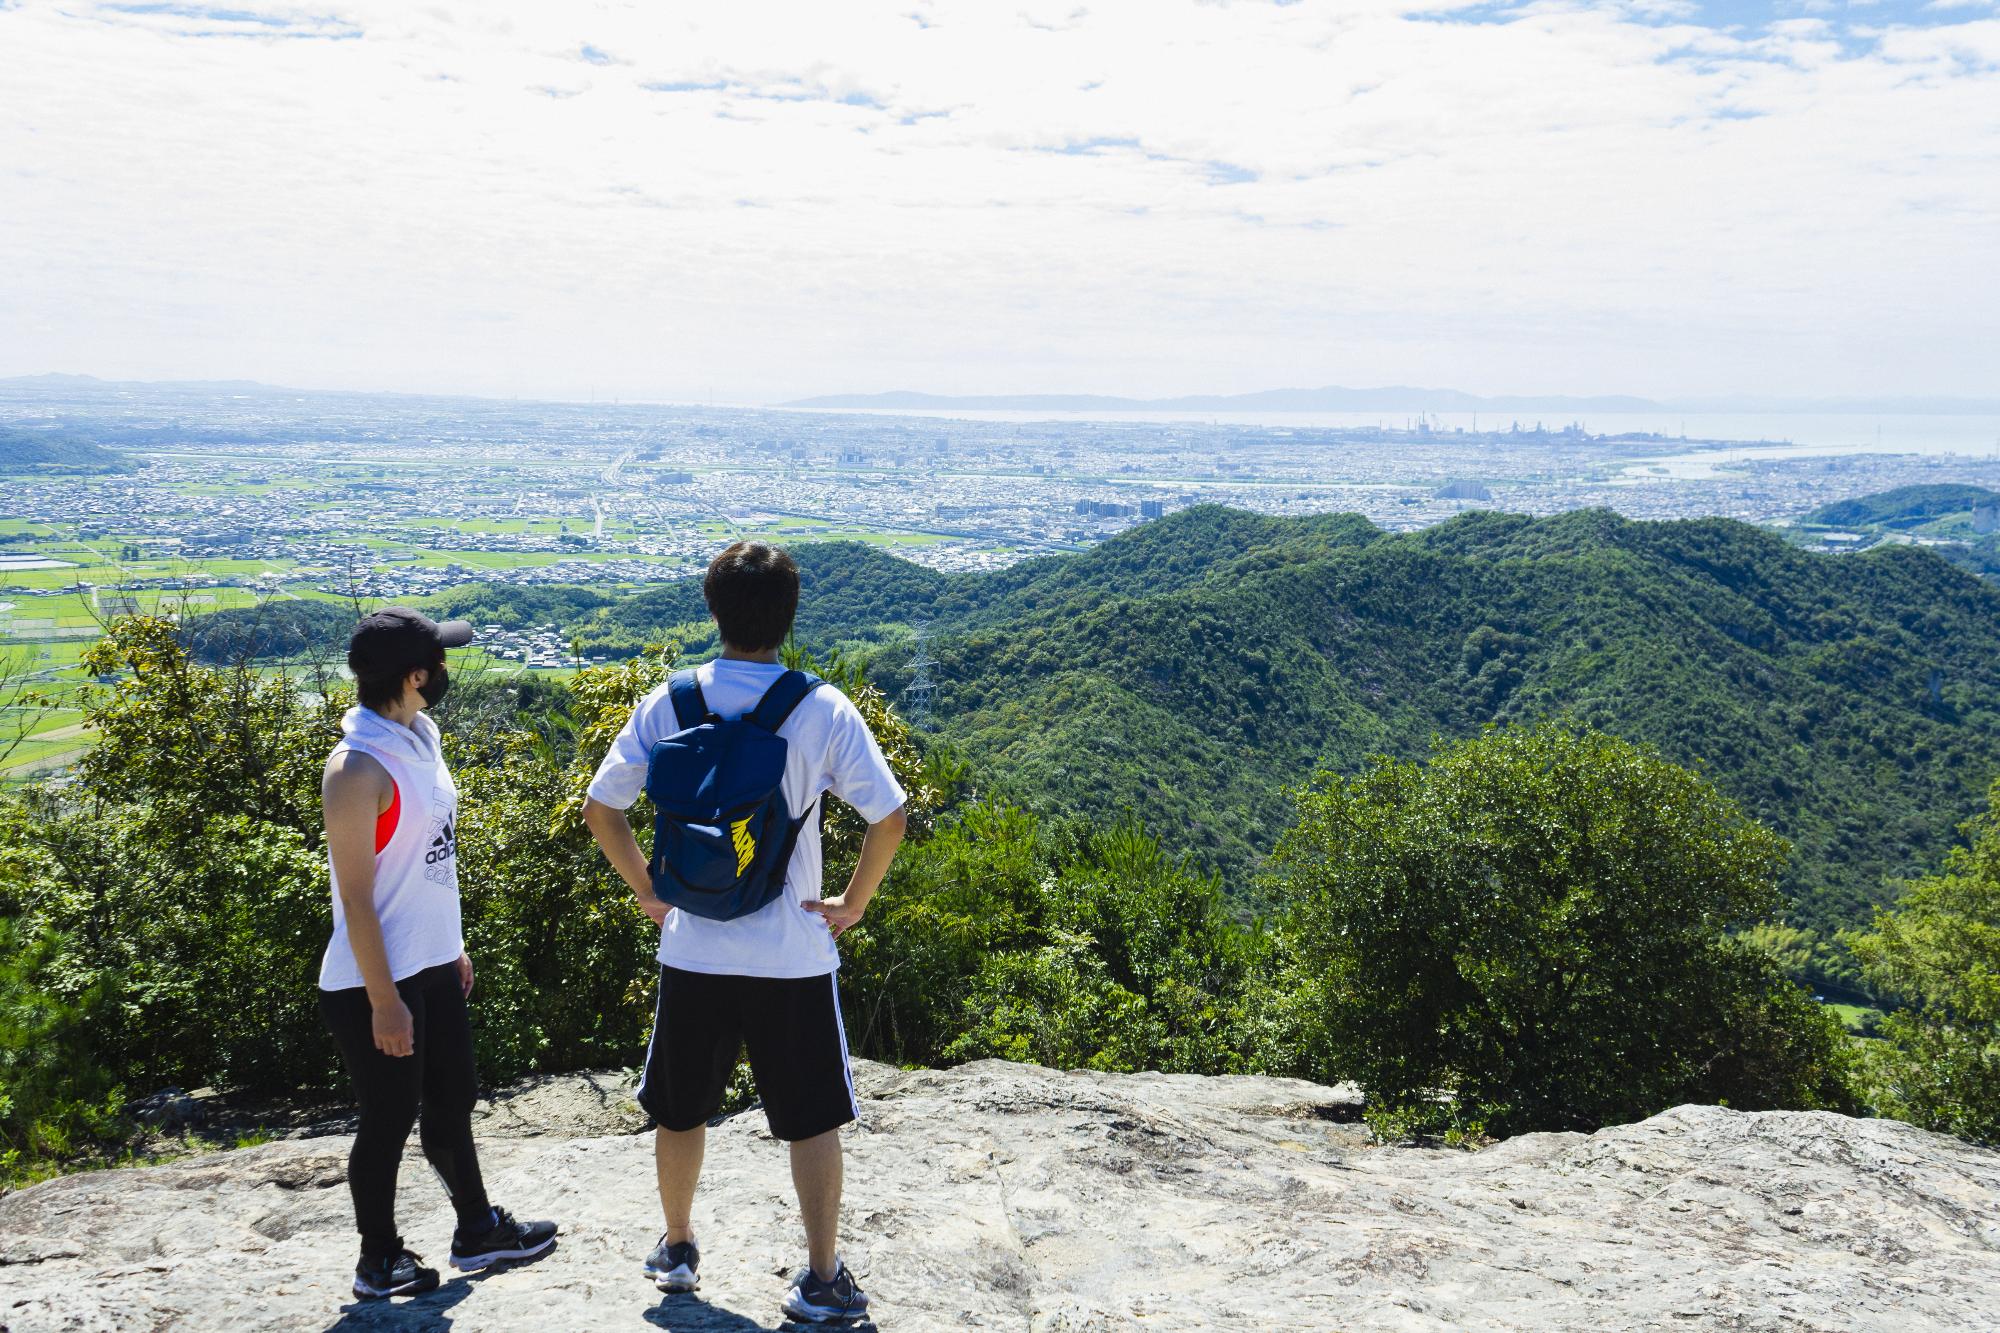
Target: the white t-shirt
(829, 748)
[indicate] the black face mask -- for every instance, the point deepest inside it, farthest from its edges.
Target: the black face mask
(435, 687)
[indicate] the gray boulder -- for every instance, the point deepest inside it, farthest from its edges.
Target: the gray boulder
(1007, 1196)
(170, 1110)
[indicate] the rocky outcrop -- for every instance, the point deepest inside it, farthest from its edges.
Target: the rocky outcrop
(1005, 1196)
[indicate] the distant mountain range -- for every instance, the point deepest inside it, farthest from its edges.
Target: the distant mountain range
(1394, 398)
(90, 383)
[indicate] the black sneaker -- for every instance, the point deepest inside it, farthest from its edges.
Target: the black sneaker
(504, 1239)
(813, 1300)
(674, 1267)
(398, 1275)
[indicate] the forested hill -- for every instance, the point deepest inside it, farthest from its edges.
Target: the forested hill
(1946, 515)
(1906, 506)
(1193, 668)
(37, 449)
(854, 592)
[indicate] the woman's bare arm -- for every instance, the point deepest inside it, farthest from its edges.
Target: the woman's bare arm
(354, 792)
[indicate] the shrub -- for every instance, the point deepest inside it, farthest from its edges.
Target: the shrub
(56, 1096)
(183, 866)
(1534, 923)
(1937, 950)
(562, 953)
(1071, 948)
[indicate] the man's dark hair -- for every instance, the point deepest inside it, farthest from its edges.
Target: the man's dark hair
(752, 590)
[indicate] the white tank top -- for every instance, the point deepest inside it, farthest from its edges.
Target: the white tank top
(416, 853)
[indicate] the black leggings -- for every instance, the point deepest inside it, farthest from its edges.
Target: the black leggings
(439, 1078)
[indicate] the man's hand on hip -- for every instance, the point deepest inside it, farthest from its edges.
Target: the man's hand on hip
(839, 913)
(878, 848)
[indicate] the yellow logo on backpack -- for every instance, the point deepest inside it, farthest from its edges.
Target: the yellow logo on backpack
(746, 846)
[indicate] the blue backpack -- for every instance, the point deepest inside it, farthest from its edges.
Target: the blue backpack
(724, 835)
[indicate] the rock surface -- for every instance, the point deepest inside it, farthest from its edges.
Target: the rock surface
(1003, 1196)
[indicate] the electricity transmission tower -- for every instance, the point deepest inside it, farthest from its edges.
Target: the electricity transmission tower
(917, 694)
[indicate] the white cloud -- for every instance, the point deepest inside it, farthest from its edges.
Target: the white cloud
(1138, 195)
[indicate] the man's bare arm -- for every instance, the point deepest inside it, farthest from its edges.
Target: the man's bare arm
(613, 832)
(878, 849)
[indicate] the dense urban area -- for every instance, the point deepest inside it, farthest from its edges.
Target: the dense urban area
(192, 497)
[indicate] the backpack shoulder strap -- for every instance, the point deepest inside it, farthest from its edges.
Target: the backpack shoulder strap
(690, 708)
(786, 693)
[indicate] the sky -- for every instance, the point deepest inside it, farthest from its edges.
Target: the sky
(747, 202)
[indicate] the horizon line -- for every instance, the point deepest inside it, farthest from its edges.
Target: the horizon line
(1928, 403)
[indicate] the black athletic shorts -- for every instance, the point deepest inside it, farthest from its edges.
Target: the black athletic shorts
(792, 1029)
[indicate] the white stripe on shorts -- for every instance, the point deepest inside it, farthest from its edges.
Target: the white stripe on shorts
(846, 1061)
(659, 1020)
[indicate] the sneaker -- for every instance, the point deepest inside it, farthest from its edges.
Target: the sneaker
(400, 1274)
(813, 1300)
(504, 1239)
(674, 1267)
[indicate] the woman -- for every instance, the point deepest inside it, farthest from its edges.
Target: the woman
(395, 978)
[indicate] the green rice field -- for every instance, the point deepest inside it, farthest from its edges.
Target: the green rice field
(61, 582)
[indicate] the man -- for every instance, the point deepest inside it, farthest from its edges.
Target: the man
(764, 980)
(395, 976)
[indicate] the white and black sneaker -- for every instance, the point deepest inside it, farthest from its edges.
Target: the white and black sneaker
(503, 1239)
(399, 1274)
(815, 1300)
(674, 1267)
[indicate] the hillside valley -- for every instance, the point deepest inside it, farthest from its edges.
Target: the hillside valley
(1189, 671)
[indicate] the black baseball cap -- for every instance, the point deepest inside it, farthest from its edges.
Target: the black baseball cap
(396, 641)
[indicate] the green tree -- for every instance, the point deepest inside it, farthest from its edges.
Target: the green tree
(564, 955)
(1534, 922)
(56, 1094)
(1142, 968)
(182, 867)
(1937, 950)
(948, 904)
(197, 743)
(1070, 947)
(1824, 962)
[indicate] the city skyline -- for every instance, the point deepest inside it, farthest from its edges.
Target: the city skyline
(765, 203)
